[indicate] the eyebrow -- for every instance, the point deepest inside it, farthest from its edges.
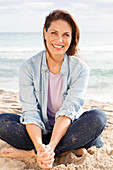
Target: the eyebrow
(57, 31)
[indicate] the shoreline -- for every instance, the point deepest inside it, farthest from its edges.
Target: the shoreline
(90, 95)
(106, 106)
(97, 159)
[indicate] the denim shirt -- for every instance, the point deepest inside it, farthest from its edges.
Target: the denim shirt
(33, 85)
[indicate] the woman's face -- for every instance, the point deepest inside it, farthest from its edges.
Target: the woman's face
(58, 38)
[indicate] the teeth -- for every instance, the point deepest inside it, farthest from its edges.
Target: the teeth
(57, 46)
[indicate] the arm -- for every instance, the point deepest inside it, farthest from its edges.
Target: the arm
(31, 112)
(71, 107)
(47, 158)
(31, 117)
(35, 134)
(61, 125)
(75, 95)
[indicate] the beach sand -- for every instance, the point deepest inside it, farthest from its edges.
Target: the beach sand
(101, 159)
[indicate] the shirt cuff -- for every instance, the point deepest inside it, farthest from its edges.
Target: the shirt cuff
(31, 120)
(65, 113)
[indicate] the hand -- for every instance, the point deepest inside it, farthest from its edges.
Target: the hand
(45, 156)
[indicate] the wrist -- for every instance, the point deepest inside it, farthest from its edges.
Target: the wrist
(52, 145)
(38, 144)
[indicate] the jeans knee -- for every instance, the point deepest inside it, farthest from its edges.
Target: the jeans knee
(100, 117)
(9, 117)
(2, 116)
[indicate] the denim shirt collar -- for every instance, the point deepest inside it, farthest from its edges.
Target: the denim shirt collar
(64, 67)
(44, 63)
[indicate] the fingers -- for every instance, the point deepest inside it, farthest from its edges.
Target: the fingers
(45, 156)
(47, 159)
(46, 153)
(42, 148)
(45, 166)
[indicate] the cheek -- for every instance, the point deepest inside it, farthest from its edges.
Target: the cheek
(68, 42)
(50, 38)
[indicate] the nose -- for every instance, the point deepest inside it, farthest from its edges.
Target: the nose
(60, 38)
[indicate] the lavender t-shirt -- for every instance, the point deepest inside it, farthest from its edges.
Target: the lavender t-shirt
(54, 96)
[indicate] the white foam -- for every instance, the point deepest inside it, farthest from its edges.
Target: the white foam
(98, 48)
(17, 49)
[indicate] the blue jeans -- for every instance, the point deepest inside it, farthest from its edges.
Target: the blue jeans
(83, 132)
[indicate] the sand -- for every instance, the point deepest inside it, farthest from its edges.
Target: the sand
(101, 159)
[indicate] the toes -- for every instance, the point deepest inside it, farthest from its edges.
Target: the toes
(91, 150)
(2, 151)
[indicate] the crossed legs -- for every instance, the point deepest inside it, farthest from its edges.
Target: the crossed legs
(80, 136)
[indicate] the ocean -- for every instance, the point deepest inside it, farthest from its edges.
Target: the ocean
(95, 48)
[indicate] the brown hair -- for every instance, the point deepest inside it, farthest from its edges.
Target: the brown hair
(64, 15)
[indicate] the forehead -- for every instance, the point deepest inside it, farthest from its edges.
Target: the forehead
(60, 25)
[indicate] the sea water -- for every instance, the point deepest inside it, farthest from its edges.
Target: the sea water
(95, 48)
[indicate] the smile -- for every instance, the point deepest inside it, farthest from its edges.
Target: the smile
(57, 46)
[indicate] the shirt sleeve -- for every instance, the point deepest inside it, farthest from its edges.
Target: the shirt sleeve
(75, 95)
(31, 114)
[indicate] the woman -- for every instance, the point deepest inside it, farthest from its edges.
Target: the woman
(52, 92)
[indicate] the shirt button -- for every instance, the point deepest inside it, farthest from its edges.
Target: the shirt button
(71, 108)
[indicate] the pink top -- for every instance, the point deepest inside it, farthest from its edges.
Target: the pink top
(54, 96)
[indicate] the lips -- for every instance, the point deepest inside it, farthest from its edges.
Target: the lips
(57, 46)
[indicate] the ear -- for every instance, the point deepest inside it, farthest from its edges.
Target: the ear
(45, 33)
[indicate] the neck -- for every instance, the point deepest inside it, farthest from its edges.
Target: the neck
(54, 65)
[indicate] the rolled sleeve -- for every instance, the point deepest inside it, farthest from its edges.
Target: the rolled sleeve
(31, 112)
(75, 95)
(28, 118)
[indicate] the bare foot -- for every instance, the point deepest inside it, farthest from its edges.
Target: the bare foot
(77, 152)
(15, 153)
(91, 150)
(80, 152)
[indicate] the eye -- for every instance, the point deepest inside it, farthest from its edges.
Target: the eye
(66, 34)
(53, 32)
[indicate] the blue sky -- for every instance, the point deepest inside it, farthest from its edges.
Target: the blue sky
(29, 15)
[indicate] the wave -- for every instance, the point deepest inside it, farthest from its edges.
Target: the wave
(97, 48)
(102, 72)
(11, 49)
(18, 52)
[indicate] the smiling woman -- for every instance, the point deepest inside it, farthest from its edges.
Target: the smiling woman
(68, 20)
(57, 43)
(52, 91)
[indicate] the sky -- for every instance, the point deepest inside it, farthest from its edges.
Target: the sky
(29, 15)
